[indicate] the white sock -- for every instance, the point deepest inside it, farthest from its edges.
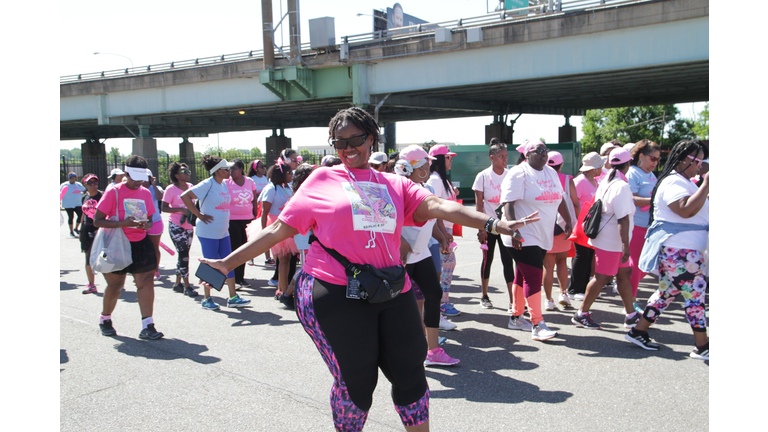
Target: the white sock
(146, 321)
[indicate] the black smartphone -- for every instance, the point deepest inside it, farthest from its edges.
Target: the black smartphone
(211, 276)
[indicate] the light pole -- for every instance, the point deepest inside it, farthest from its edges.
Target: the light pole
(119, 55)
(386, 19)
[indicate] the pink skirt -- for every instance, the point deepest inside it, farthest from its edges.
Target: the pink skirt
(561, 244)
(285, 247)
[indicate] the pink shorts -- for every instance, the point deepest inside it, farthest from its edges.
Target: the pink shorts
(608, 263)
(157, 228)
(560, 244)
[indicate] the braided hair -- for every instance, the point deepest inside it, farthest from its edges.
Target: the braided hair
(358, 117)
(678, 154)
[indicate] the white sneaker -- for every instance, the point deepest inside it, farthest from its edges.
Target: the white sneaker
(542, 332)
(578, 296)
(445, 324)
(519, 323)
(564, 301)
(615, 288)
(549, 304)
(510, 310)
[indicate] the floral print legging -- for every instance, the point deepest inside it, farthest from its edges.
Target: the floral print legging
(182, 239)
(681, 272)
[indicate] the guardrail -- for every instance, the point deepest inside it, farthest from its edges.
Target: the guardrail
(545, 8)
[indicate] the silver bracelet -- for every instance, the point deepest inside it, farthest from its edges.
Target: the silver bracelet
(493, 228)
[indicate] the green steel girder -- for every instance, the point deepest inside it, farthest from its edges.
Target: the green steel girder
(277, 81)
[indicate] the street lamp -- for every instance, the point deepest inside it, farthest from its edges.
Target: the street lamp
(379, 17)
(119, 55)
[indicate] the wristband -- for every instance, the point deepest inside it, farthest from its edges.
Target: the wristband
(489, 225)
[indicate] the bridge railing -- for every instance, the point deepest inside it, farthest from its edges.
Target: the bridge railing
(544, 8)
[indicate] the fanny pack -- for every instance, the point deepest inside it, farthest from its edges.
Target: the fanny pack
(366, 282)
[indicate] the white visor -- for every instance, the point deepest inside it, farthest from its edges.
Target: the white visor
(137, 174)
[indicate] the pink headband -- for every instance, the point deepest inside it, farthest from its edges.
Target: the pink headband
(256, 163)
(280, 163)
(525, 147)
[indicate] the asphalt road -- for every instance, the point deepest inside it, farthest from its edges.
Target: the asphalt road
(255, 369)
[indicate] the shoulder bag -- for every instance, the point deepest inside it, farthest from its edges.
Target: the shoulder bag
(367, 282)
(189, 216)
(591, 222)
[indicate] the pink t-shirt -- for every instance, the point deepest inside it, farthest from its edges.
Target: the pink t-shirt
(136, 203)
(172, 196)
(330, 203)
(584, 189)
(241, 207)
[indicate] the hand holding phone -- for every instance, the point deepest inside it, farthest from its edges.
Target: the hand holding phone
(211, 276)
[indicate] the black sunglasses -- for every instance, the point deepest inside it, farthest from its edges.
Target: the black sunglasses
(342, 143)
(540, 150)
(95, 182)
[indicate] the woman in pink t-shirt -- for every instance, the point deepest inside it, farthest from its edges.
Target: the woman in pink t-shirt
(258, 173)
(179, 229)
(132, 204)
(360, 213)
(242, 210)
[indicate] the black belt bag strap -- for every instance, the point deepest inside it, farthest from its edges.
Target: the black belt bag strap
(375, 285)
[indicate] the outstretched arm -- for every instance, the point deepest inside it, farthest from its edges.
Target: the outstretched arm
(265, 239)
(434, 207)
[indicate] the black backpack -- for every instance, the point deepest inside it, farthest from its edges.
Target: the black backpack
(591, 222)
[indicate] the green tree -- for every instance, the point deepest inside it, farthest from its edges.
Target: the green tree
(701, 125)
(66, 153)
(659, 123)
(114, 154)
(428, 145)
(77, 153)
(256, 154)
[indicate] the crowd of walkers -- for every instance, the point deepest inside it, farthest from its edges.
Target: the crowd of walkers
(322, 226)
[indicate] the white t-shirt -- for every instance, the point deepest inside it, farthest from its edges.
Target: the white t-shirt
(419, 238)
(214, 201)
(617, 203)
(533, 190)
(260, 182)
(437, 184)
(671, 189)
(489, 183)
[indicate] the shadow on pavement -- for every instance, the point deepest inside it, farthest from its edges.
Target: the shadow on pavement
(164, 349)
(247, 316)
(64, 286)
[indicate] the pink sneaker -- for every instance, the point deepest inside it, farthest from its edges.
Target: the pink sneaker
(90, 289)
(157, 275)
(438, 357)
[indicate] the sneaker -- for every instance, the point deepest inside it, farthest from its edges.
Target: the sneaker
(510, 310)
(71, 234)
(549, 305)
(541, 332)
(585, 321)
(189, 291)
(564, 300)
(209, 304)
(519, 323)
(641, 339)
(107, 329)
(445, 324)
(77, 231)
(272, 282)
(638, 308)
(269, 261)
(438, 357)
(441, 340)
(447, 309)
(615, 288)
(632, 322)
(90, 289)
(486, 302)
(179, 288)
(243, 284)
(288, 301)
(157, 275)
(251, 262)
(150, 333)
(578, 296)
(700, 354)
(237, 301)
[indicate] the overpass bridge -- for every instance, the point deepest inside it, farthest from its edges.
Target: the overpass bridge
(564, 60)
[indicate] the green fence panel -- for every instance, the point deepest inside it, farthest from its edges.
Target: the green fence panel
(471, 159)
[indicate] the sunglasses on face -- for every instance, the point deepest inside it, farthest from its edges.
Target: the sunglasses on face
(697, 160)
(342, 143)
(95, 182)
(185, 172)
(653, 158)
(540, 151)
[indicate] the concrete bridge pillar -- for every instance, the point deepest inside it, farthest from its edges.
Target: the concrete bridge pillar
(390, 138)
(566, 132)
(499, 129)
(275, 144)
(146, 147)
(95, 160)
(187, 156)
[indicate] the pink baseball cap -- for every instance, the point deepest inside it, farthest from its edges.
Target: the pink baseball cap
(88, 177)
(555, 158)
(414, 152)
(619, 155)
(440, 149)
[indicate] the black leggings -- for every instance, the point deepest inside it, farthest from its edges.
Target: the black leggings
(237, 238)
(425, 276)
(506, 259)
(71, 213)
(581, 269)
(291, 267)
